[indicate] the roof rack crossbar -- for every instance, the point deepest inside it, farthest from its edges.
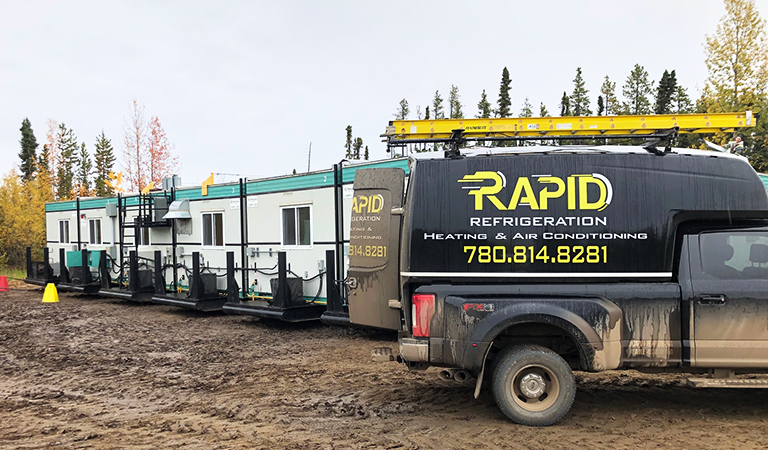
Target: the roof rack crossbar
(667, 136)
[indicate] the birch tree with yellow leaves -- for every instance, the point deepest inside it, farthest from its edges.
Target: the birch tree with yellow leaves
(737, 64)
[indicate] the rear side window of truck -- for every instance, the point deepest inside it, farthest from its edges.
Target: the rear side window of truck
(735, 255)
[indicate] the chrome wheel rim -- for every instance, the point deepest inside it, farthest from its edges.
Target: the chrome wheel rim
(535, 388)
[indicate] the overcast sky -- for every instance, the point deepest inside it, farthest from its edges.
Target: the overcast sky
(244, 87)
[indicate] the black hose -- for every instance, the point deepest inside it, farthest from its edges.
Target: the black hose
(265, 273)
(306, 279)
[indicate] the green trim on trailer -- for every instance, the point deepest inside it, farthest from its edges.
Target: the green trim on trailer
(764, 179)
(61, 206)
(92, 203)
(71, 205)
(286, 183)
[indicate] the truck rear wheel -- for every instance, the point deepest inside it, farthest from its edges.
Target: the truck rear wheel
(533, 385)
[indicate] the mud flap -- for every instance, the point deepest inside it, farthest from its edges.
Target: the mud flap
(374, 248)
(479, 383)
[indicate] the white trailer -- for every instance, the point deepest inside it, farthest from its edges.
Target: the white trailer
(174, 246)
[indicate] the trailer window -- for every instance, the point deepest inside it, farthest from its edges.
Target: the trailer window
(94, 227)
(297, 226)
(213, 229)
(64, 231)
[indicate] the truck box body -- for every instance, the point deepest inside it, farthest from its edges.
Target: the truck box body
(556, 217)
(590, 249)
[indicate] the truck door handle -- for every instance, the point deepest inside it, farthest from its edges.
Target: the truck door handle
(712, 300)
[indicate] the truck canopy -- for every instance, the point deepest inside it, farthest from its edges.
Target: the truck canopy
(560, 213)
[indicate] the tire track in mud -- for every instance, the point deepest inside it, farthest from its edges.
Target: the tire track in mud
(92, 372)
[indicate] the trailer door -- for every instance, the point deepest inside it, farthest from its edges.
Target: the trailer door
(374, 245)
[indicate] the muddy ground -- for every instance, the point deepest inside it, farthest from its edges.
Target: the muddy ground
(91, 372)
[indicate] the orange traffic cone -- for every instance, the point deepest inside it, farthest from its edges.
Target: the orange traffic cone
(51, 295)
(4, 284)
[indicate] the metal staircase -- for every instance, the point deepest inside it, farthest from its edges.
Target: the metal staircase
(136, 215)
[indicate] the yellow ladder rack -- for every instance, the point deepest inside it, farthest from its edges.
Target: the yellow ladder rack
(407, 131)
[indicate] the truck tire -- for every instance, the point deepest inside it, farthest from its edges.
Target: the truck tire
(533, 385)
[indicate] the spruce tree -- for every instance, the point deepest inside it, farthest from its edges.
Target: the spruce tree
(426, 114)
(636, 90)
(356, 146)
(579, 97)
(402, 110)
(504, 103)
(483, 107)
(84, 168)
(44, 170)
(348, 144)
(104, 159)
(681, 103)
(28, 154)
(437, 106)
(42, 160)
(437, 112)
(543, 110)
(608, 90)
(366, 155)
(527, 110)
(664, 93)
(600, 105)
(565, 105)
(67, 144)
(455, 103)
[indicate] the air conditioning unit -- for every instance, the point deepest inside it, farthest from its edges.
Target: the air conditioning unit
(169, 182)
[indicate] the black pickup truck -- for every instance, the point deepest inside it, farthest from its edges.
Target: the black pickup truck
(527, 263)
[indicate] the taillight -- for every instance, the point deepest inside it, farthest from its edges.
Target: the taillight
(422, 310)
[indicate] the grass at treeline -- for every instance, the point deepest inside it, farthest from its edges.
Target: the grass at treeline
(13, 272)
